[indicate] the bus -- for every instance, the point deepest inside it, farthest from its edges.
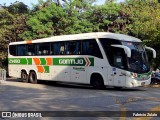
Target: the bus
(100, 59)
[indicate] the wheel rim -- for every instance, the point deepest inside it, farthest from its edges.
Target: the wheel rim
(24, 76)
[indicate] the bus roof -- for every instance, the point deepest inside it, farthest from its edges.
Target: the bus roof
(81, 36)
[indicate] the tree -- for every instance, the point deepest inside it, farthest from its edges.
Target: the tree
(56, 18)
(5, 27)
(144, 22)
(12, 23)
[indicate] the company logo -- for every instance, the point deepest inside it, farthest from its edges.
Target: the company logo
(74, 61)
(71, 61)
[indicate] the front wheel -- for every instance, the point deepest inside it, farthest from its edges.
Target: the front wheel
(97, 82)
(33, 77)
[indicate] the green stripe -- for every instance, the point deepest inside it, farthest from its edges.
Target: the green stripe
(56, 61)
(29, 61)
(46, 69)
(21, 61)
(43, 61)
(92, 61)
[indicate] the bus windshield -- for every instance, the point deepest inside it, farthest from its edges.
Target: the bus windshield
(138, 62)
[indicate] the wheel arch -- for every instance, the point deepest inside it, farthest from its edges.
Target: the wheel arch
(97, 74)
(25, 70)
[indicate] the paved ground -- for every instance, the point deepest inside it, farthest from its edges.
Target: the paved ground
(19, 96)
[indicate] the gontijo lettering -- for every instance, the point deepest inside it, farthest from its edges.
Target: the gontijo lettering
(71, 61)
(86, 61)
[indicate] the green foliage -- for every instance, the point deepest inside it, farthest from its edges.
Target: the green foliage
(12, 23)
(106, 17)
(144, 23)
(18, 7)
(4, 63)
(5, 28)
(50, 19)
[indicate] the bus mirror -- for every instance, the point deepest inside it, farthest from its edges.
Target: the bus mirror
(126, 49)
(154, 52)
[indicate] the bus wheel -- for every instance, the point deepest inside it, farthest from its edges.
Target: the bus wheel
(97, 81)
(24, 76)
(33, 77)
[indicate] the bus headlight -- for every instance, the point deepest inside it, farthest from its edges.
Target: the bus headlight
(134, 75)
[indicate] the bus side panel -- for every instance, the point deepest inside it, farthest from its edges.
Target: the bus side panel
(78, 74)
(14, 70)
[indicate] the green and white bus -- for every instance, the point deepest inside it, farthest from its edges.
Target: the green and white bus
(99, 58)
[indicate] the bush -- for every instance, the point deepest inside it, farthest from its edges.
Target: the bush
(4, 63)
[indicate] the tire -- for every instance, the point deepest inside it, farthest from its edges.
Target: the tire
(33, 77)
(24, 76)
(97, 82)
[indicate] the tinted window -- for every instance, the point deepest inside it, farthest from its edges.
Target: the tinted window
(43, 48)
(31, 49)
(116, 56)
(21, 50)
(78, 47)
(90, 47)
(12, 50)
(73, 48)
(55, 48)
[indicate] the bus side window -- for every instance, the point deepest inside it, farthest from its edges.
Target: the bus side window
(21, 50)
(31, 50)
(90, 47)
(62, 48)
(117, 56)
(55, 48)
(43, 48)
(68, 48)
(73, 48)
(12, 50)
(118, 60)
(77, 50)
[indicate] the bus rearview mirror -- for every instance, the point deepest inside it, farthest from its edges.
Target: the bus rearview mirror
(154, 52)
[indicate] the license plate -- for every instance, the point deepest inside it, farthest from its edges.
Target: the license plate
(143, 83)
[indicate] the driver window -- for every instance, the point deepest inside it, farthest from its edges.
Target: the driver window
(117, 57)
